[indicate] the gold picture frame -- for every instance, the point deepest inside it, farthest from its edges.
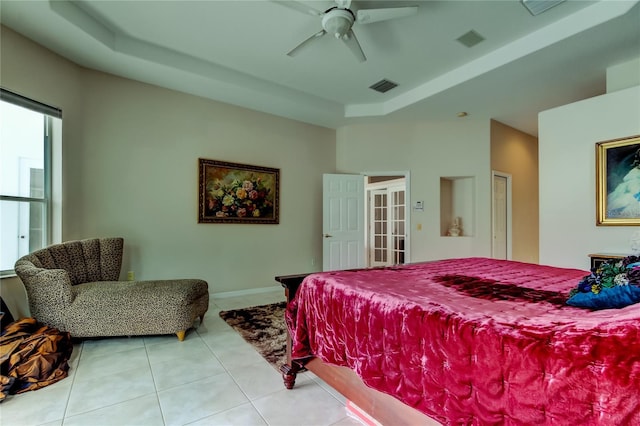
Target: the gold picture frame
(237, 193)
(618, 182)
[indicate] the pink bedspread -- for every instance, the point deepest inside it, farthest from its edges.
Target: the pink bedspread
(475, 341)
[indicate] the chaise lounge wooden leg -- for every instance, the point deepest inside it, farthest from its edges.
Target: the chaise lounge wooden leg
(201, 318)
(181, 334)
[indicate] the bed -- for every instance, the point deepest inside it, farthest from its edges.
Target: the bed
(465, 341)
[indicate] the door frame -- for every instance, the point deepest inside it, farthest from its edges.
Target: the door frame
(507, 177)
(408, 209)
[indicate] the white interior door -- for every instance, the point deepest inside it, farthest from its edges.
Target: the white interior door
(343, 222)
(501, 216)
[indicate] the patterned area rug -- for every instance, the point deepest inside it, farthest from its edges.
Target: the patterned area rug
(264, 328)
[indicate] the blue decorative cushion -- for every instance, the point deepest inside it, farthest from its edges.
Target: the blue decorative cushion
(608, 298)
(614, 284)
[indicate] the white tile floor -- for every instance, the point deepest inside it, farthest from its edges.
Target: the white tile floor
(213, 377)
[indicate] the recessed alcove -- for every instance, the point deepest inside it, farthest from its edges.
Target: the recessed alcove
(457, 203)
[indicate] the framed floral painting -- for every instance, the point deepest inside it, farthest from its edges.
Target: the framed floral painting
(618, 182)
(237, 193)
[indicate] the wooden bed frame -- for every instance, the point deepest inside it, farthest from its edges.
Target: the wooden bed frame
(384, 408)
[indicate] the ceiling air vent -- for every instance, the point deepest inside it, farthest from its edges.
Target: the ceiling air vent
(383, 85)
(536, 7)
(470, 38)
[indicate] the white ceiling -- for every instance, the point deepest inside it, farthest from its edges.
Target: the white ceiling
(235, 52)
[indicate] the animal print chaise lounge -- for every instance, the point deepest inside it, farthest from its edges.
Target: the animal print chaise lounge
(74, 287)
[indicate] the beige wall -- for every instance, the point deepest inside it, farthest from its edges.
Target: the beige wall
(428, 151)
(130, 155)
(516, 153)
(139, 179)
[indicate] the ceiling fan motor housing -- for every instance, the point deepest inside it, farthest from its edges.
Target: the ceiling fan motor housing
(338, 22)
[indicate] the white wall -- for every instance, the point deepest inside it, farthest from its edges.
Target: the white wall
(429, 151)
(130, 157)
(623, 76)
(567, 139)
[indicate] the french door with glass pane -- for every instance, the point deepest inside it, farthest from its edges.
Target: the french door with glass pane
(387, 211)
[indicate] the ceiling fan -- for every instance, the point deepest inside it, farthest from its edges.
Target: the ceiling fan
(339, 20)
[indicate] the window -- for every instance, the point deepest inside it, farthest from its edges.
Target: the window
(26, 133)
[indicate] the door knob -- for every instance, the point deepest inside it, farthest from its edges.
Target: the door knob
(328, 236)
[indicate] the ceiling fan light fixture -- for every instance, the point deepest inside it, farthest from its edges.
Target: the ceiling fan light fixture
(338, 22)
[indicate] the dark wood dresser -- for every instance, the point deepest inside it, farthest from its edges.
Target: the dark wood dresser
(598, 258)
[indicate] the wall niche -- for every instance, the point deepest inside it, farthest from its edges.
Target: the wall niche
(457, 206)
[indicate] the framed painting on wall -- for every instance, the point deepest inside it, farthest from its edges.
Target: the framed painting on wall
(618, 182)
(237, 193)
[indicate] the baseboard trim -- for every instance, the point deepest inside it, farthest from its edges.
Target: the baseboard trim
(246, 292)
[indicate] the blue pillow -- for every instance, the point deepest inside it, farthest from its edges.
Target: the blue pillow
(608, 298)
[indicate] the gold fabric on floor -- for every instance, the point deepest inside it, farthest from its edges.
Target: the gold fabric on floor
(32, 356)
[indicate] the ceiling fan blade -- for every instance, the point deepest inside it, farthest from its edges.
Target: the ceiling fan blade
(343, 4)
(297, 49)
(352, 43)
(367, 16)
(299, 7)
